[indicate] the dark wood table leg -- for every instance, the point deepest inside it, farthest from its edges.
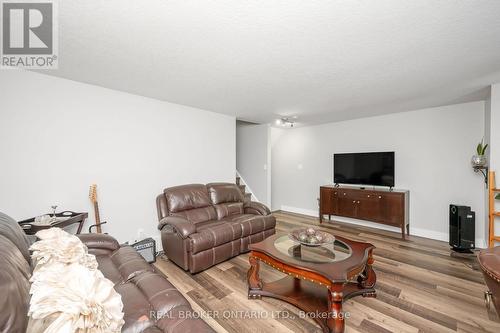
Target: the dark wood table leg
(368, 278)
(335, 319)
(254, 281)
(80, 226)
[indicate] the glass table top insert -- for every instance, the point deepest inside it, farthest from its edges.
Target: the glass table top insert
(326, 253)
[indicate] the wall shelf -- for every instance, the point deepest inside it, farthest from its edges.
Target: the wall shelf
(484, 172)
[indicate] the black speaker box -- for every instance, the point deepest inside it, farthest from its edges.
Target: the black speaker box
(147, 249)
(462, 228)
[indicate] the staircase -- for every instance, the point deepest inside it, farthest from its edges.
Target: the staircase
(243, 188)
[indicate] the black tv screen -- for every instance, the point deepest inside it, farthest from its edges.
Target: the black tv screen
(375, 169)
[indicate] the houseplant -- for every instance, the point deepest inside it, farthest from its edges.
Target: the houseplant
(479, 159)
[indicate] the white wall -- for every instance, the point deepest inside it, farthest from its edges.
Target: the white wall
(433, 152)
(487, 139)
(493, 112)
(494, 133)
(58, 136)
(253, 159)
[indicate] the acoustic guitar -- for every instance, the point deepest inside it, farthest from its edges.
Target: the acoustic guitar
(93, 199)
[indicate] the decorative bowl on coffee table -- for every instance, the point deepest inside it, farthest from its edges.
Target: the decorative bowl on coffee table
(311, 237)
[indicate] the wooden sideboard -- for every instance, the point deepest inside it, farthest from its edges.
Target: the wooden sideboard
(380, 206)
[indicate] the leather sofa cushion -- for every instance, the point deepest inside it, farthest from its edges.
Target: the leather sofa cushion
(255, 238)
(14, 285)
(251, 224)
(150, 302)
(207, 258)
(256, 208)
(489, 259)
(136, 308)
(224, 192)
(228, 209)
(161, 206)
(10, 229)
(99, 243)
(122, 264)
(152, 329)
(213, 233)
(161, 294)
(197, 215)
(185, 197)
(148, 298)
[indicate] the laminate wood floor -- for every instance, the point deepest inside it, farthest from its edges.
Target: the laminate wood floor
(420, 288)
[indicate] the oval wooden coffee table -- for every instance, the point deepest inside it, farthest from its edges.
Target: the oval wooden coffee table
(319, 278)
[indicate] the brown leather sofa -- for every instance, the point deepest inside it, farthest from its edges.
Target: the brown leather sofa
(489, 261)
(151, 302)
(203, 225)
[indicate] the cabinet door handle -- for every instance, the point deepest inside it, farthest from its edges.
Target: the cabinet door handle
(368, 195)
(354, 201)
(380, 197)
(344, 193)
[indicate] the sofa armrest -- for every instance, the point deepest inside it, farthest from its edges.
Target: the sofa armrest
(256, 208)
(182, 226)
(99, 241)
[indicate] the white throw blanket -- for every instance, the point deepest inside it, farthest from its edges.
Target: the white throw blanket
(58, 246)
(68, 293)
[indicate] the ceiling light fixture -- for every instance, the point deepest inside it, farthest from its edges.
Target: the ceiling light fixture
(285, 122)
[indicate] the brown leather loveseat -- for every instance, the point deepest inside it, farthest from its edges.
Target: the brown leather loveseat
(151, 302)
(203, 225)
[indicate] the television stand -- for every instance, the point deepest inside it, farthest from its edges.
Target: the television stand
(389, 207)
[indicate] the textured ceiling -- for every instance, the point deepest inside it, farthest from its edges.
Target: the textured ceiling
(261, 59)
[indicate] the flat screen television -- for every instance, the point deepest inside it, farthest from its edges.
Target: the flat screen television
(375, 169)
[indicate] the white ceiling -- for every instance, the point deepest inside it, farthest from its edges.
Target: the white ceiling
(261, 59)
